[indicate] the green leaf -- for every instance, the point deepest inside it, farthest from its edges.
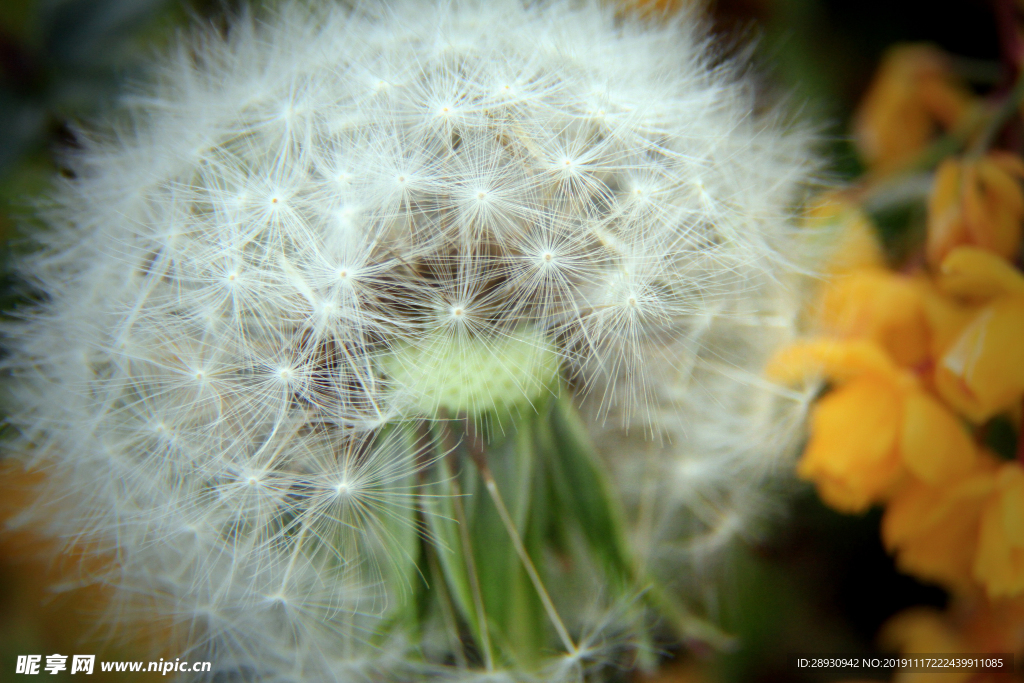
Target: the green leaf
(513, 608)
(583, 492)
(585, 497)
(439, 511)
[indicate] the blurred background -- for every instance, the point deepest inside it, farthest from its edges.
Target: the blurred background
(816, 581)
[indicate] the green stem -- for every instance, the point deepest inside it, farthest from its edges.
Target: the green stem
(913, 182)
(604, 522)
(1010, 106)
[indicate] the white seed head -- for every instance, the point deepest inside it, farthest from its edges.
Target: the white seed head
(336, 220)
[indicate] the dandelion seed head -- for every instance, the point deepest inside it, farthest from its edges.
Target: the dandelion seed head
(336, 221)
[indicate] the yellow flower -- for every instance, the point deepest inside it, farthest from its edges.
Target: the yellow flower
(913, 94)
(852, 452)
(999, 562)
(964, 530)
(860, 299)
(852, 238)
(980, 372)
(924, 630)
(876, 428)
(977, 202)
(933, 529)
(993, 625)
(876, 304)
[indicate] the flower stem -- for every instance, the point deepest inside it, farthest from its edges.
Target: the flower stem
(1010, 106)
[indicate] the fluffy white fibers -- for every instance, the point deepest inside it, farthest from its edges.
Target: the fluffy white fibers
(336, 220)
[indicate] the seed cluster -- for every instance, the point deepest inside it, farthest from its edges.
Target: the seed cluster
(323, 226)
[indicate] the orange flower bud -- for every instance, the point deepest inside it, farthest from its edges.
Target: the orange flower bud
(977, 202)
(913, 94)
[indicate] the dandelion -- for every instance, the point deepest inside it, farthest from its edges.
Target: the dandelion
(373, 344)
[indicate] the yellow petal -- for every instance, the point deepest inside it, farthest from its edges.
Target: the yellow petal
(912, 94)
(852, 453)
(1009, 162)
(876, 304)
(923, 630)
(1003, 186)
(947, 317)
(1004, 203)
(978, 274)
(978, 202)
(920, 629)
(1011, 485)
(840, 361)
(934, 445)
(852, 238)
(933, 529)
(982, 372)
(999, 562)
(1004, 229)
(946, 227)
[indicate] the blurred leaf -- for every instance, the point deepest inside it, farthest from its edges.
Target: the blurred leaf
(84, 33)
(21, 123)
